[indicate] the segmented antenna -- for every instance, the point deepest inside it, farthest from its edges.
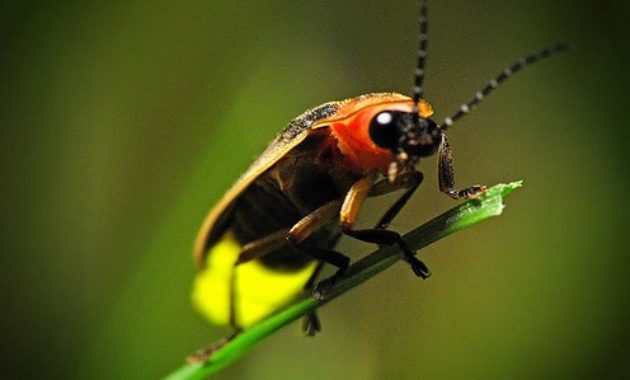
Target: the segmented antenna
(495, 82)
(422, 56)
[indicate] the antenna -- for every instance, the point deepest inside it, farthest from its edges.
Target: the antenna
(502, 77)
(422, 57)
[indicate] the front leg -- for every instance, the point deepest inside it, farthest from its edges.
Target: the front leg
(446, 175)
(350, 210)
(409, 181)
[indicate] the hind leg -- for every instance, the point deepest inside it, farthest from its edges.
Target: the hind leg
(311, 324)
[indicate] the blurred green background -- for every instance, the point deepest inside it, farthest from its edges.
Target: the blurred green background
(123, 122)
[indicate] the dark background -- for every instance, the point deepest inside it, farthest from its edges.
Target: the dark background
(123, 122)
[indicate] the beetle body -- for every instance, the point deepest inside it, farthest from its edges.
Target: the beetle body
(268, 237)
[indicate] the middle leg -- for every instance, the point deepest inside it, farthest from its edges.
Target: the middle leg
(379, 235)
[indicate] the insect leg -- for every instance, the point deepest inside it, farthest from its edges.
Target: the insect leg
(303, 229)
(311, 324)
(298, 233)
(203, 354)
(350, 209)
(339, 260)
(259, 248)
(387, 237)
(312, 223)
(353, 201)
(295, 237)
(446, 175)
(410, 181)
(253, 250)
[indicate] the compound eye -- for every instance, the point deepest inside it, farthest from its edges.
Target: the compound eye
(384, 130)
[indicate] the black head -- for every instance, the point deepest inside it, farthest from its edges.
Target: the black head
(407, 135)
(401, 132)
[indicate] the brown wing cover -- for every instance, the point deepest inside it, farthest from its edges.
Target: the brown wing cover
(290, 137)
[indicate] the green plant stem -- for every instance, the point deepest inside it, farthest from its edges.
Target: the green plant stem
(460, 217)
